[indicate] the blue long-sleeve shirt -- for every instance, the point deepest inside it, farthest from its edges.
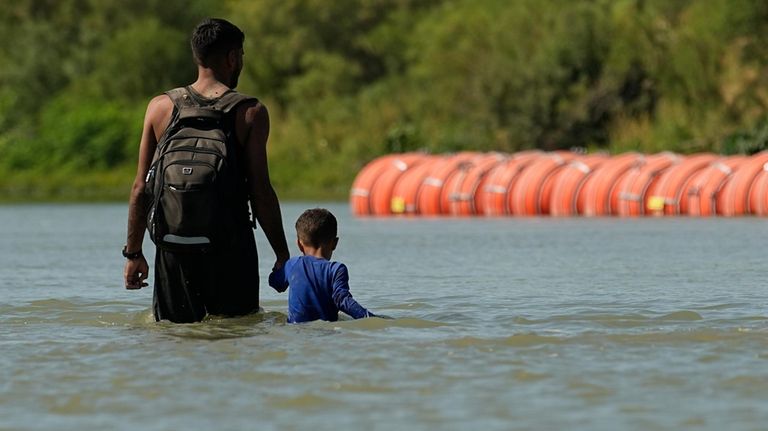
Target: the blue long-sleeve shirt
(319, 290)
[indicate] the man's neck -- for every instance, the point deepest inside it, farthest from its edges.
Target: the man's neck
(208, 84)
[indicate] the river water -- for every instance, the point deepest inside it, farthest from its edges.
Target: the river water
(499, 324)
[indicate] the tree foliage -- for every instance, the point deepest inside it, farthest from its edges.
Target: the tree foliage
(349, 80)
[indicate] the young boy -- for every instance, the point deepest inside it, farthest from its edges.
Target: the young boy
(319, 287)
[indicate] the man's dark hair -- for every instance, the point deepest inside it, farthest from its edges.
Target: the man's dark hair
(215, 37)
(316, 226)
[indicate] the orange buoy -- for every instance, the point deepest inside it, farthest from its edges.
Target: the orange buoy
(567, 183)
(545, 194)
(380, 196)
(462, 190)
(599, 193)
(705, 185)
(529, 190)
(561, 184)
(477, 185)
(494, 195)
(429, 200)
(634, 186)
(665, 195)
(361, 187)
(452, 188)
(406, 188)
(734, 197)
(758, 195)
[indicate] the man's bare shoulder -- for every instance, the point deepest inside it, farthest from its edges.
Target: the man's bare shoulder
(253, 112)
(160, 107)
(159, 111)
(252, 123)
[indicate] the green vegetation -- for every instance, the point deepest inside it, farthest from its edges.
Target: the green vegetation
(349, 80)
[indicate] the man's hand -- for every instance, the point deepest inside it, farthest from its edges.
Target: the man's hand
(136, 271)
(279, 262)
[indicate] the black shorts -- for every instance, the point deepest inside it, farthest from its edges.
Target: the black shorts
(190, 286)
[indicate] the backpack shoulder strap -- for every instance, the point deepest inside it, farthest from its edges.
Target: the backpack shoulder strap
(231, 99)
(181, 98)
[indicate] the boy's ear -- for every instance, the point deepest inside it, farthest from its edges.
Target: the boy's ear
(301, 246)
(335, 243)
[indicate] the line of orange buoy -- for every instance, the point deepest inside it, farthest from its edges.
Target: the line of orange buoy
(561, 184)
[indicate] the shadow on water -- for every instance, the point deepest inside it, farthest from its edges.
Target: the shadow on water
(375, 324)
(78, 312)
(264, 322)
(222, 328)
(75, 311)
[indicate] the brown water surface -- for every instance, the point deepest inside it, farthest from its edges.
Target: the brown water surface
(529, 323)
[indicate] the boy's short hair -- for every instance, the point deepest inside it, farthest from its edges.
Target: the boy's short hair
(316, 226)
(215, 37)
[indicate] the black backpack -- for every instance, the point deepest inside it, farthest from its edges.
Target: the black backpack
(192, 182)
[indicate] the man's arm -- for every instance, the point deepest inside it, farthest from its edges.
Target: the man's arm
(155, 121)
(253, 132)
(278, 280)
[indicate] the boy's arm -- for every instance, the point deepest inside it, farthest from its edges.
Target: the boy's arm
(343, 298)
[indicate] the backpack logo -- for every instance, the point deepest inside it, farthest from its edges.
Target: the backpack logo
(186, 171)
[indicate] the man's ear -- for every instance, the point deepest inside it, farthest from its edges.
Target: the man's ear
(232, 58)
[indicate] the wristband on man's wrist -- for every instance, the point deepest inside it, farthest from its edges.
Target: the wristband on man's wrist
(132, 255)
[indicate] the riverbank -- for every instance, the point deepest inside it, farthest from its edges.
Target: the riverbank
(114, 186)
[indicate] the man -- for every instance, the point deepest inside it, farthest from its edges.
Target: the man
(188, 286)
